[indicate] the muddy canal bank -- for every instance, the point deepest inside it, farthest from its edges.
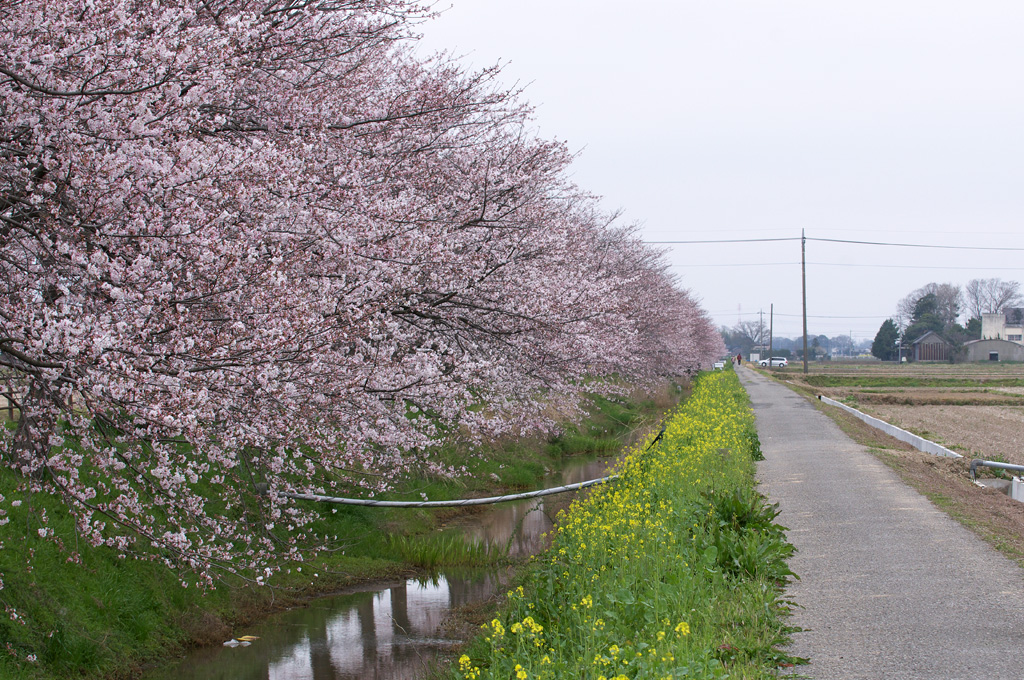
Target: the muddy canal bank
(389, 631)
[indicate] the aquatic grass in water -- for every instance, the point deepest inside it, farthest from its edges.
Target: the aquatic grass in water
(446, 550)
(674, 571)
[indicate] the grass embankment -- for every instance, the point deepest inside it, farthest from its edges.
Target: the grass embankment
(676, 570)
(72, 610)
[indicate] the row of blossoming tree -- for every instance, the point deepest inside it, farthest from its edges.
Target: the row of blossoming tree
(266, 242)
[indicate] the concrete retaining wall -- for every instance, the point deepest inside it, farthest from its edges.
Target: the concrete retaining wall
(919, 443)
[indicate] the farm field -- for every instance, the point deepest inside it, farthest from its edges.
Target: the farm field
(975, 409)
(881, 369)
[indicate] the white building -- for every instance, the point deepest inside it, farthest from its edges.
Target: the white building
(1006, 325)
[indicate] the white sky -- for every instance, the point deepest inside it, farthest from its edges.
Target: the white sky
(897, 121)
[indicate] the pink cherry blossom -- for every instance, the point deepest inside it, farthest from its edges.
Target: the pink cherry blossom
(265, 243)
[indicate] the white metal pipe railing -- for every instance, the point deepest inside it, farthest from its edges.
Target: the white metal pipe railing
(977, 462)
(447, 504)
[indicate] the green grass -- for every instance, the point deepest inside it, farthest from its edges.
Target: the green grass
(86, 616)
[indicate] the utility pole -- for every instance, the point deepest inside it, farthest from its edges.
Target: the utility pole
(803, 277)
(771, 332)
(760, 328)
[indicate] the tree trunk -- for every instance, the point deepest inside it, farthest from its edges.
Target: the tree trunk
(29, 450)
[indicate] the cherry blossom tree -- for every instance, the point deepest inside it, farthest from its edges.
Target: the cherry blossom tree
(265, 244)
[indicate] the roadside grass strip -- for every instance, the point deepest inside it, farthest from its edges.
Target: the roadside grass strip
(674, 571)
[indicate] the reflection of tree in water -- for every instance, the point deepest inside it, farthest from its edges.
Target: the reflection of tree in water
(388, 634)
(391, 634)
(520, 526)
(471, 587)
(516, 527)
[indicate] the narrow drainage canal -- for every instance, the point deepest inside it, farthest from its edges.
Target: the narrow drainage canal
(391, 632)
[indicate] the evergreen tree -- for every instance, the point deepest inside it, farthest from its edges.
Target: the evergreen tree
(884, 346)
(927, 317)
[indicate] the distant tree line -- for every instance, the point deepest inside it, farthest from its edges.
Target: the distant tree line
(939, 307)
(747, 337)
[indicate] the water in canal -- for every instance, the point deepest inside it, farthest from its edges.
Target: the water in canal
(388, 633)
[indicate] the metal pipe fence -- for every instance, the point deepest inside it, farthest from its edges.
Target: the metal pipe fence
(448, 504)
(978, 462)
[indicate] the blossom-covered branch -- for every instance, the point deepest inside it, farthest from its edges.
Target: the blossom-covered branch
(266, 243)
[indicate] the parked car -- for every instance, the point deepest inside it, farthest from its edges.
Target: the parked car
(774, 361)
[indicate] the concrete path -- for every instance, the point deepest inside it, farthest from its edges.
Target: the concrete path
(890, 586)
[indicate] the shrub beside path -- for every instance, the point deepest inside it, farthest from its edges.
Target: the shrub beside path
(890, 587)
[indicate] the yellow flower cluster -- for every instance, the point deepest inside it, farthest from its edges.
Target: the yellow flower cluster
(469, 671)
(497, 631)
(618, 575)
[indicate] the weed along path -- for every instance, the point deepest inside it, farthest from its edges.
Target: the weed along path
(672, 571)
(890, 587)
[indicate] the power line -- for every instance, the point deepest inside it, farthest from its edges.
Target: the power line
(911, 266)
(836, 240)
(847, 230)
(809, 316)
(846, 264)
(732, 240)
(910, 245)
(742, 264)
(826, 318)
(917, 232)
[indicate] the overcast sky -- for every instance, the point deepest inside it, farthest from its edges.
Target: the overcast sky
(896, 121)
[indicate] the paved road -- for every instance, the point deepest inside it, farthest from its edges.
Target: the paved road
(890, 586)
